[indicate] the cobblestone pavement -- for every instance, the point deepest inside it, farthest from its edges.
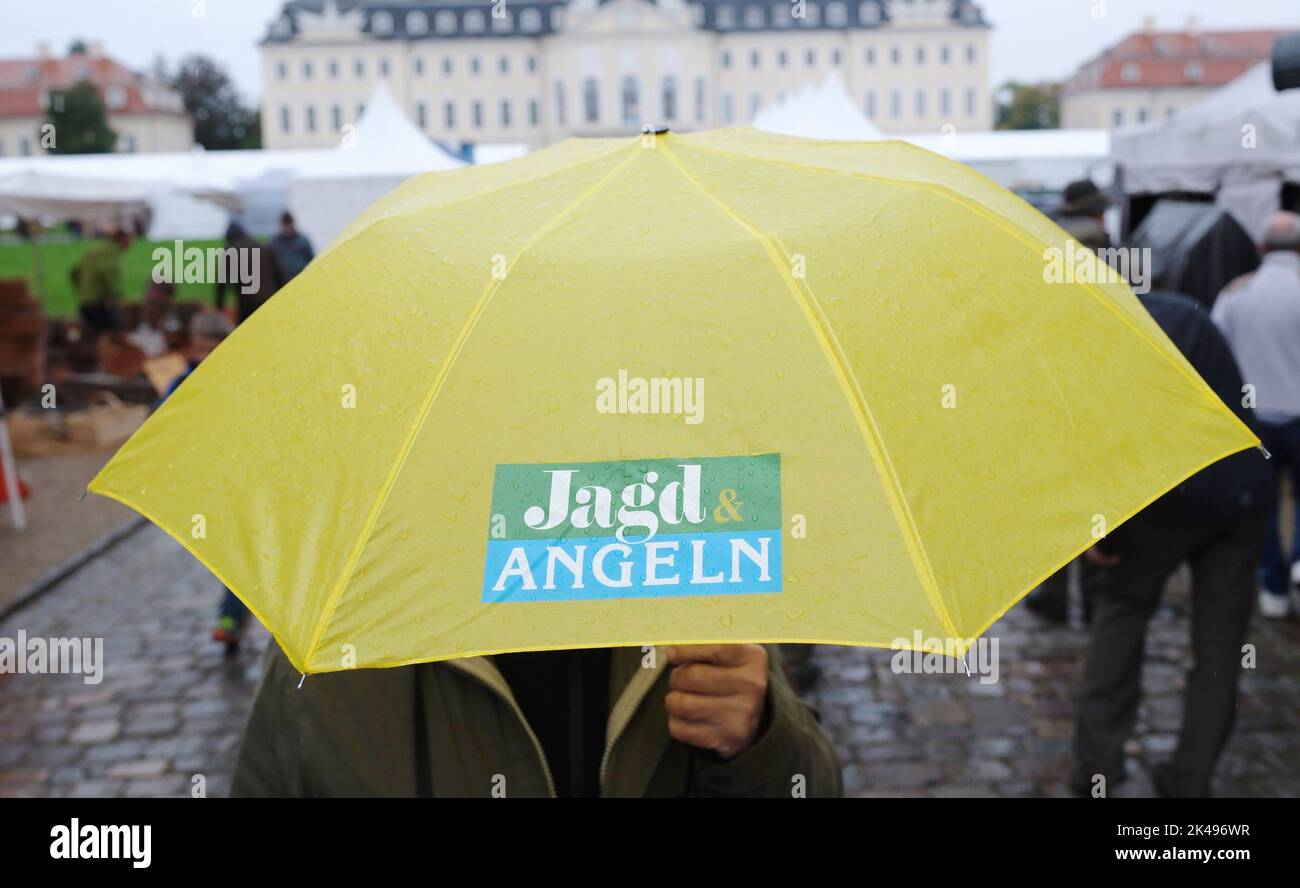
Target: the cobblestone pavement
(171, 706)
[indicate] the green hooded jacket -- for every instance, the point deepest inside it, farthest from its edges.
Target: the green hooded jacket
(453, 729)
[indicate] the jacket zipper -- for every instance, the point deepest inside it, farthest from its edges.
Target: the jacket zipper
(493, 680)
(621, 714)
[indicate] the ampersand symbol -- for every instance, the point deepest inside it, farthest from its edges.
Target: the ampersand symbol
(727, 502)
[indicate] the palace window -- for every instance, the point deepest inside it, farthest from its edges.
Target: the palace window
(754, 17)
(381, 23)
(530, 20)
(670, 99)
(445, 22)
(631, 101)
(473, 22)
(837, 14)
(417, 23)
(591, 100)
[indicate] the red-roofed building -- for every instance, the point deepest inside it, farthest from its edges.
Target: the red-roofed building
(146, 115)
(1150, 75)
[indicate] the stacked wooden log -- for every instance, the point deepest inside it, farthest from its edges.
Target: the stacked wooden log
(22, 339)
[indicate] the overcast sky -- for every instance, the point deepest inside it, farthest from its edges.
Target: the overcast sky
(1032, 39)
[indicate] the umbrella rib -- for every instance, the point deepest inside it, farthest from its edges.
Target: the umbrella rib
(435, 389)
(807, 302)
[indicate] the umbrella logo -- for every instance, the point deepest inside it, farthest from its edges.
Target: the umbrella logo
(635, 529)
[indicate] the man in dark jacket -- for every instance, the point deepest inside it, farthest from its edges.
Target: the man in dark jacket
(690, 720)
(1214, 521)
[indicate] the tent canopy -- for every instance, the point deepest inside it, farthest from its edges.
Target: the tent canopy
(1240, 143)
(825, 111)
(385, 149)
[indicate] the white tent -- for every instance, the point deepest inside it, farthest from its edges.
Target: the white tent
(1027, 160)
(1240, 144)
(384, 150)
(824, 111)
(190, 193)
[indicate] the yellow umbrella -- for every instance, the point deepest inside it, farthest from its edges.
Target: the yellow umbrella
(725, 387)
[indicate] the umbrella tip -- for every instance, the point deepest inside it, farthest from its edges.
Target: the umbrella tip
(301, 680)
(84, 492)
(650, 129)
(965, 665)
(1264, 450)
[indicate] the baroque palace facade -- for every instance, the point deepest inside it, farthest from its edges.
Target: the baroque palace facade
(536, 71)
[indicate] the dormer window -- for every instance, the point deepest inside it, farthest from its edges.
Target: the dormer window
(445, 22)
(417, 23)
(530, 21)
(754, 18)
(474, 22)
(381, 23)
(1194, 71)
(1131, 72)
(725, 18)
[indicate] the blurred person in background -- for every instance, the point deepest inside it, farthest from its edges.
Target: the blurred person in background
(207, 331)
(269, 278)
(1083, 213)
(97, 277)
(1214, 521)
(292, 249)
(1260, 318)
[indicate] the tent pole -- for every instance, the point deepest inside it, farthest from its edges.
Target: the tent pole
(38, 264)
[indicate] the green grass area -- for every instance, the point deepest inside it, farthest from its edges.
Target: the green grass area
(59, 297)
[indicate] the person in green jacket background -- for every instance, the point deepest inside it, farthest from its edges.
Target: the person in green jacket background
(98, 279)
(684, 721)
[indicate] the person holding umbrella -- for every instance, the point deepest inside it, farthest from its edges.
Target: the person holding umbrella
(689, 720)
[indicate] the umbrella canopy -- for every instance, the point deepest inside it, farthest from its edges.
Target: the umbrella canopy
(727, 387)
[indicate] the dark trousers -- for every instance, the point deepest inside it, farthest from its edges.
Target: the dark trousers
(1223, 557)
(1283, 444)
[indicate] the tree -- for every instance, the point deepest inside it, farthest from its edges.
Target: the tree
(1028, 106)
(220, 119)
(79, 122)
